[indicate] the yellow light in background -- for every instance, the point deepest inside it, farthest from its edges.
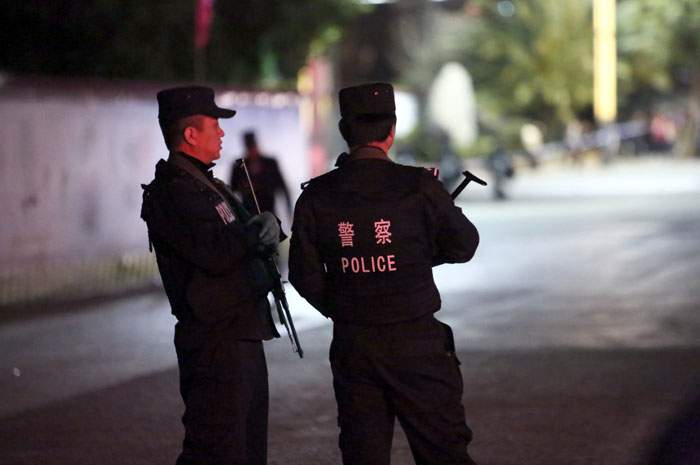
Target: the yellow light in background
(604, 61)
(305, 82)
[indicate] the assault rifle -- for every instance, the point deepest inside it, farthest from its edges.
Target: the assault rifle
(277, 288)
(468, 177)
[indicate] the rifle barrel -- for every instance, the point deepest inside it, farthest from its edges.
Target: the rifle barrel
(296, 345)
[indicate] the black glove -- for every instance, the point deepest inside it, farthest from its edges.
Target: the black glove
(267, 228)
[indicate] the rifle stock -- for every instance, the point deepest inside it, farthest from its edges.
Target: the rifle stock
(468, 177)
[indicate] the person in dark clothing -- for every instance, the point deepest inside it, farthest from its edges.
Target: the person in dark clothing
(500, 163)
(265, 176)
(364, 240)
(204, 249)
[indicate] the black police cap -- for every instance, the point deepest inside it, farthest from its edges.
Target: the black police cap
(180, 102)
(368, 99)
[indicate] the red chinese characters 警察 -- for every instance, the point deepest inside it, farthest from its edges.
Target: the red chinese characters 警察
(381, 231)
(346, 233)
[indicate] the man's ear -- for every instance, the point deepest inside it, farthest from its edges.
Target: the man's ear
(392, 134)
(190, 134)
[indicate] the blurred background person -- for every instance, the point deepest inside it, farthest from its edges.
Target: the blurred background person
(265, 176)
(500, 163)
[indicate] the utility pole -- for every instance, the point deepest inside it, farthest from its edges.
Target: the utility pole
(604, 61)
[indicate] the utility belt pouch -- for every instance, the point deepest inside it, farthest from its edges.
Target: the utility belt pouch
(450, 342)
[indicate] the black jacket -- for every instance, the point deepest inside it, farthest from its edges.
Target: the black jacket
(203, 255)
(366, 236)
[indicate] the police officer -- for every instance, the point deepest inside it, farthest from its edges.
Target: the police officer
(265, 176)
(364, 240)
(204, 248)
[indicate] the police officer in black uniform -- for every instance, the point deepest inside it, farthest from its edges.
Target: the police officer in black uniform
(205, 243)
(364, 240)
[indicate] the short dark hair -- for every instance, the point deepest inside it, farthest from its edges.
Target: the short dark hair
(249, 139)
(174, 132)
(362, 129)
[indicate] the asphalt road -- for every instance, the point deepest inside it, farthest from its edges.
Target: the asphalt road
(577, 326)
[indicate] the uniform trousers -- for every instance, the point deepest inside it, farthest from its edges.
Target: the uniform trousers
(224, 386)
(405, 371)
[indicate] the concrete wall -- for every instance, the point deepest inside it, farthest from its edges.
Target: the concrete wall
(74, 153)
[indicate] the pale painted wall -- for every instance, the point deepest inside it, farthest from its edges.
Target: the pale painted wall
(73, 155)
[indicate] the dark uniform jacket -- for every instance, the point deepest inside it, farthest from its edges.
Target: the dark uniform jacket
(267, 180)
(202, 254)
(366, 236)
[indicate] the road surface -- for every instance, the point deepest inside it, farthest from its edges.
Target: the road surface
(577, 326)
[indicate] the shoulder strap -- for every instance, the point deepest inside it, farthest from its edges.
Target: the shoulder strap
(182, 162)
(185, 165)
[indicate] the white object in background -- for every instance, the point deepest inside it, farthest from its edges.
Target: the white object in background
(452, 104)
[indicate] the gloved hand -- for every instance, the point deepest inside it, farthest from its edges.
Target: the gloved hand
(269, 229)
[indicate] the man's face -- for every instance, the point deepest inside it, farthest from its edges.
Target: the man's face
(252, 151)
(208, 138)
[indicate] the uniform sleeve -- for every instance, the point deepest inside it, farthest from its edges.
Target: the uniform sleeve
(183, 222)
(456, 238)
(306, 270)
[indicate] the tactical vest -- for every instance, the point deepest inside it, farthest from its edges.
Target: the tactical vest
(377, 244)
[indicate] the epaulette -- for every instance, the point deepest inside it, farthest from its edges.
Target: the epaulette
(435, 171)
(320, 178)
(342, 158)
(306, 184)
(148, 189)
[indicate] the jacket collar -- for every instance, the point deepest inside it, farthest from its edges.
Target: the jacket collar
(200, 165)
(363, 152)
(368, 151)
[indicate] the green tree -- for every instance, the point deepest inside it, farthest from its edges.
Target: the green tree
(251, 41)
(99, 38)
(659, 57)
(532, 58)
(529, 60)
(645, 35)
(268, 42)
